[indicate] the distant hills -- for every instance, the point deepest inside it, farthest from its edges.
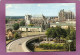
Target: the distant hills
(15, 17)
(22, 17)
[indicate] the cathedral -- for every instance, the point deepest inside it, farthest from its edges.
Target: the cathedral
(66, 15)
(37, 20)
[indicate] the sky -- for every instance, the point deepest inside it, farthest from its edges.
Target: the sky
(47, 9)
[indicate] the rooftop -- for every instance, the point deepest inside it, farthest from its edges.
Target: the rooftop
(63, 24)
(38, 15)
(30, 27)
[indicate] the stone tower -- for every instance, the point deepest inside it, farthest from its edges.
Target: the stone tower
(27, 19)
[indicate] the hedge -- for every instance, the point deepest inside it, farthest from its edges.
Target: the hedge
(52, 46)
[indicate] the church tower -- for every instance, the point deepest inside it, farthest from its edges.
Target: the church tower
(27, 19)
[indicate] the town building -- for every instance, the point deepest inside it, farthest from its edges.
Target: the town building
(11, 22)
(30, 29)
(66, 15)
(63, 25)
(52, 19)
(9, 34)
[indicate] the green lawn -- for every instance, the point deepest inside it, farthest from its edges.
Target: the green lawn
(24, 34)
(43, 50)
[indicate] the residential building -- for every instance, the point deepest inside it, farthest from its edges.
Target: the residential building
(30, 29)
(63, 25)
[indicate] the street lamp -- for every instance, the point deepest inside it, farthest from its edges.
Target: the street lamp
(69, 41)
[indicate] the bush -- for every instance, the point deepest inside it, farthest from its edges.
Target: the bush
(16, 26)
(52, 46)
(16, 35)
(31, 25)
(22, 23)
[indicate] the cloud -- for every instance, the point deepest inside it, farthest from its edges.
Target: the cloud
(42, 5)
(66, 4)
(39, 5)
(8, 6)
(73, 8)
(45, 8)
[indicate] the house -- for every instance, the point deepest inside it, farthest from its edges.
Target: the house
(63, 25)
(9, 34)
(30, 28)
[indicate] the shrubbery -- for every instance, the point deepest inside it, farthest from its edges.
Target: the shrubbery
(16, 35)
(22, 23)
(52, 46)
(16, 26)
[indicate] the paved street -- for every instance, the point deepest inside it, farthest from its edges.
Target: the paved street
(16, 46)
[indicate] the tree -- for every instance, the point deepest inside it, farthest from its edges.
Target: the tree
(60, 32)
(46, 26)
(15, 19)
(43, 26)
(51, 32)
(68, 31)
(22, 23)
(72, 36)
(16, 26)
(6, 21)
(56, 32)
(16, 35)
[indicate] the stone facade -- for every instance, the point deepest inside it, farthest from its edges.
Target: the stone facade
(66, 15)
(38, 20)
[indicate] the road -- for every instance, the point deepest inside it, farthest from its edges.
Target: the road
(16, 46)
